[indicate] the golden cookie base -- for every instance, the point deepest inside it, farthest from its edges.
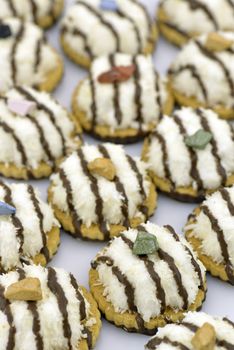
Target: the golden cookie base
(128, 320)
(184, 194)
(85, 61)
(216, 270)
(169, 33)
(104, 132)
(95, 328)
(53, 77)
(222, 111)
(47, 21)
(93, 232)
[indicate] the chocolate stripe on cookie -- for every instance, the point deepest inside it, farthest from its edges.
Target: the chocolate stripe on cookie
(93, 100)
(125, 16)
(222, 242)
(12, 7)
(209, 54)
(34, 9)
(147, 17)
(79, 297)
(195, 74)
(160, 293)
(104, 22)
(158, 94)
(228, 321)
(42, 138)
(139, 177)
(138, 93)
(205, 124)
(32, 307)
(71, 207)
(163, 145)
(79, 32)
(227, 198)
(36, 205)
(19, 145)
(175, 271)
(38, 55)
(95, 190)
(6, 310)
(175, 28)
(231, 4)
(119, 187)
(153, 343)
(40, 106)
(16, 42)
(15, 220)
(116, 100)
(194, 172)
(58, 291)
(193, 261)
(197, 5)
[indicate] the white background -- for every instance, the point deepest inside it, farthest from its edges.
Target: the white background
(76, 255)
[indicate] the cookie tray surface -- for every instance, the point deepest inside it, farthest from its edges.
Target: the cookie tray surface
(76, 255)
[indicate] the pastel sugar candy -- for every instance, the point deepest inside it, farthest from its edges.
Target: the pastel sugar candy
(20, 106)
(6, 209)
(109, 5)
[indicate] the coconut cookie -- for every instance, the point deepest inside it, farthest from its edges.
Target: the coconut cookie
(198, 331)
(29, 231)
(93, 28)
(35, 133)
(209, 230)
(46, 309)
(180, 20)
(99, 191)
(190, 154)
(43, 13)
(26, 58)
(122, 99)
(192, 74)
(147, 277)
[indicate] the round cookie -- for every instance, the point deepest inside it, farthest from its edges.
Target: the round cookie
(143, 292)
(122, 99)
(26, 58)
(45, 308)
(43, 13)
(29, 232)
(35, 133)
(190, 154)
(91, 28)
(99, 191)
(202, 74)
(197, 331)
(209, 230)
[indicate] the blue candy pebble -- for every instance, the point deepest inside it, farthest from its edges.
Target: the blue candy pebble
(109, 5)
(6, 209)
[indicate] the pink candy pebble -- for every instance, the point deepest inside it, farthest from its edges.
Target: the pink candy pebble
(20, 106)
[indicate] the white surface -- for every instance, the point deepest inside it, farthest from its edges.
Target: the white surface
(76, 255)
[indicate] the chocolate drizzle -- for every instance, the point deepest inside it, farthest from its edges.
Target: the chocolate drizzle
(58, 291)
(47, 110)
(38, 55)
(222, 242)
(80, 297)
(32, 307)
(119, 187)
(95, 190)
(153, 343)
(15, 220)
(67, 185)
(194, 173)
(138, 93)
(195, 75)
(209, 54)
(226, 197)
(197, 5)
(116, 88)
(12, 7)
(79, 32)
(6, 309)
(16, 42)
(205, 124)
(125, 16)
(158, 95)
(104, 22)
(40, 216)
